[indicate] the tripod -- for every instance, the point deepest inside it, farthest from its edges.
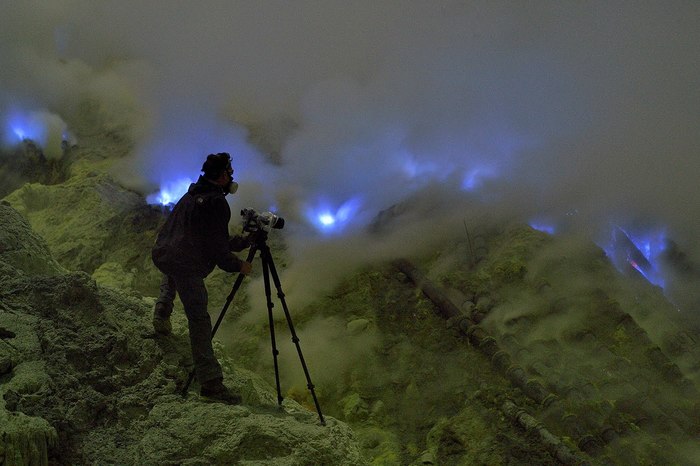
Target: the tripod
(259, 238)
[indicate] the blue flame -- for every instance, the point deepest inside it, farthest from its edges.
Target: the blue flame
(20, 133)
(170, 193)
(412, 168)
(543, 226)
(21, 126)
(474, 178)
(651, 245)
(643, 251)
(329, 220)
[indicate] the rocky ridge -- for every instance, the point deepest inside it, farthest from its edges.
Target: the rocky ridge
(82, 381)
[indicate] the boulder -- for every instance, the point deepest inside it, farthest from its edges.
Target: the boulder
(21, 248)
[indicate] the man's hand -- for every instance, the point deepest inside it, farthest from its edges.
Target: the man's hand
(246, 268)
(238, 243)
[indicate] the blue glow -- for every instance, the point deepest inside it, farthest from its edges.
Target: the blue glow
(329, 220)
(170, 193)
(413, 169)
(326, 219)
(651, 245)
(20, 126)
(474, 178)
(19, 132)
(641, 251)
(543, 227)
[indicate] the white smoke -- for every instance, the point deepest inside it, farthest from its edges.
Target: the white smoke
(581, 112)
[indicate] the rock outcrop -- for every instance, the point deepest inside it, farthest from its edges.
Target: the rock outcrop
(83, 380)
(90, 223)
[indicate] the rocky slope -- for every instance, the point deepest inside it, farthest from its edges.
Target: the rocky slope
(83, 382)
(512, 347)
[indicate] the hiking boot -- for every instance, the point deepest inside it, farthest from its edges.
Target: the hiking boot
(215, 390)
(162, 326)
(161, 319)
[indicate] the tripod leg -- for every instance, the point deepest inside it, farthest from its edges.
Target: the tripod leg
(270, 305)
(269, 264)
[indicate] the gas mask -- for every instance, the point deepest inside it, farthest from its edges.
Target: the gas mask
(231, 187)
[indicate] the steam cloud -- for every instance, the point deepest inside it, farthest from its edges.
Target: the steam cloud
(584, 112)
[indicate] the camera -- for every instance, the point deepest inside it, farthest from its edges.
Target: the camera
(266, 221)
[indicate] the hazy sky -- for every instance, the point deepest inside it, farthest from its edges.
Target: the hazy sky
(575, 110)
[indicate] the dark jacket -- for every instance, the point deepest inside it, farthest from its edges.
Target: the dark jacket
(195, 238)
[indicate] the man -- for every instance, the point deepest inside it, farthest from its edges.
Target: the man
(193, 241)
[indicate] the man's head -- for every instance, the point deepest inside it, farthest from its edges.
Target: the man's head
(216, 164)
(217, 168)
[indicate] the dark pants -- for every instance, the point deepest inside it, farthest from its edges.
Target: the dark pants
(193, 295)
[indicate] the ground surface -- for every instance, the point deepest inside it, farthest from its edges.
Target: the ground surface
(510, 347)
